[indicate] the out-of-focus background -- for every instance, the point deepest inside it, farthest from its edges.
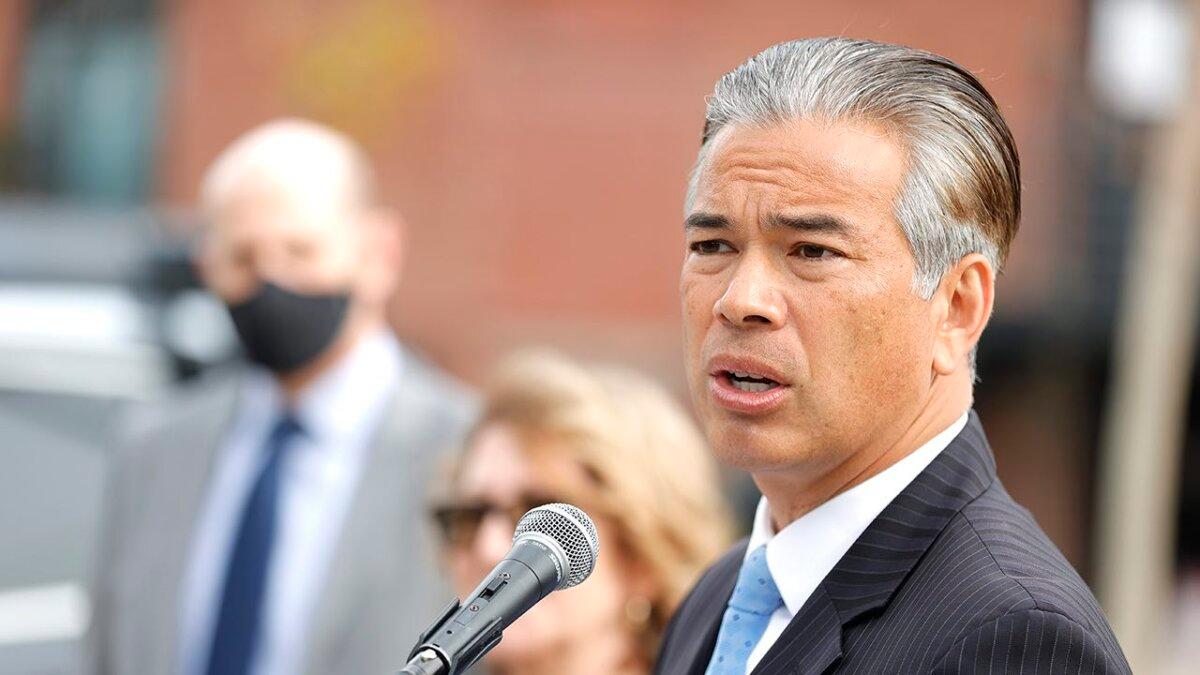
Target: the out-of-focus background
(538, 150)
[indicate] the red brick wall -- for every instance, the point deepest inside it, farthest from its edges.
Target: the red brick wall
(12, 28)
(539, 149)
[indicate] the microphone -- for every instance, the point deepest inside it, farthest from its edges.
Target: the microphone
(554, 547)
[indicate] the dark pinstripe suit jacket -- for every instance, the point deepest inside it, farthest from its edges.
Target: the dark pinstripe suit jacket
(952, 577)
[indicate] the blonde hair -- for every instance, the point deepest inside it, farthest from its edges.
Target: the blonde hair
(653, 478)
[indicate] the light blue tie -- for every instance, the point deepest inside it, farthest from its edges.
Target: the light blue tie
(755, 598)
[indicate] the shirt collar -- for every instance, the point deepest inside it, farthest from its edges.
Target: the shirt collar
(341, 401)
(802, 554)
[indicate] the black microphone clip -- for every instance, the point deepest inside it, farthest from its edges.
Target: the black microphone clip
(463, 633)
(427, 658)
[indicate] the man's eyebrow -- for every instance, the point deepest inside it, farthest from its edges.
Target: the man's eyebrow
(705, 221)
(812, 223)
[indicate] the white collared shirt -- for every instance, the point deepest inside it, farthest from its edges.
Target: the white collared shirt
(339, 414)
(802, 554)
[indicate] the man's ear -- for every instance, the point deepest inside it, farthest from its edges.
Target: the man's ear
(962, 306)
(387, 241)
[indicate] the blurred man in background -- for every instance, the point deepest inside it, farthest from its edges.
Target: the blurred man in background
(269, 520)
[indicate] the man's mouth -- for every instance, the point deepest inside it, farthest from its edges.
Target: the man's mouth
(746, 386)
(750, 382)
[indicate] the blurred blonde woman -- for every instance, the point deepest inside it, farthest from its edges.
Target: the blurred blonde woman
(615, 444)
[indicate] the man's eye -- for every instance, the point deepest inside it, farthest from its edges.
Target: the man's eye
(710, 247)
(300, 249)
(242, 258)
(814, 252)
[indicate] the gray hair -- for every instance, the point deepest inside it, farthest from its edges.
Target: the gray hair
(962, 193)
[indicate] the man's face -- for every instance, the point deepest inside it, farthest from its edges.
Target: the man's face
(804, 340)
(266, 235)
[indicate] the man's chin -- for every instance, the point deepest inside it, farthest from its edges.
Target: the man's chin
(753, 448)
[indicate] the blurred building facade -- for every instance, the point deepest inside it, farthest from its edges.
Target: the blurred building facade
(538, 150)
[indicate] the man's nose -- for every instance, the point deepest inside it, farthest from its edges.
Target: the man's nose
(752, 299)
(268, 264)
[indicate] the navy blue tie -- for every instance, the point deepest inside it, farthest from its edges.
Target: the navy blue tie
(239, 620)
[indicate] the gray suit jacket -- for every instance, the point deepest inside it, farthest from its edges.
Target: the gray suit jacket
(381, 588)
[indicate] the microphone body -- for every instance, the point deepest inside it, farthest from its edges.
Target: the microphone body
(555, 547)
(466, 631)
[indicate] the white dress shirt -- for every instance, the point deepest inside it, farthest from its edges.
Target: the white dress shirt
(339, 413)
(802, 554)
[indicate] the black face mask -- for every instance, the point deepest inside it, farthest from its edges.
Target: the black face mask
(283, 330)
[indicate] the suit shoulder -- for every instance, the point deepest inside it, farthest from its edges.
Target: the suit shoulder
(146, 425)
(1033, 641)
(429, 413)
(990, 567)
(440, 391)
(1022, 553)
(995, 548)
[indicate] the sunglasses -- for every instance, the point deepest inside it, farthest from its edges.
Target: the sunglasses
(459, 522)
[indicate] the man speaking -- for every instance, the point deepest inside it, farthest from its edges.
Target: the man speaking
(851, 206)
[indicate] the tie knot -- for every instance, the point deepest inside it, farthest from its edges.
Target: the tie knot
(755, 591)
(286, 427)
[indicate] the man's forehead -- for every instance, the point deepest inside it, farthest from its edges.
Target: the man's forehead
(265, 208)
(802, 163)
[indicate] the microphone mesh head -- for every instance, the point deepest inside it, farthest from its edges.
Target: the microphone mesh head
(572, 530)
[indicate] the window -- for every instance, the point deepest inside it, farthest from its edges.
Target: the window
(87, 118)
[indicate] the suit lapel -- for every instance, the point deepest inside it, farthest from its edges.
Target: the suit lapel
(812, 641)
(359, 536)
(873, 569)
(391, 491)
